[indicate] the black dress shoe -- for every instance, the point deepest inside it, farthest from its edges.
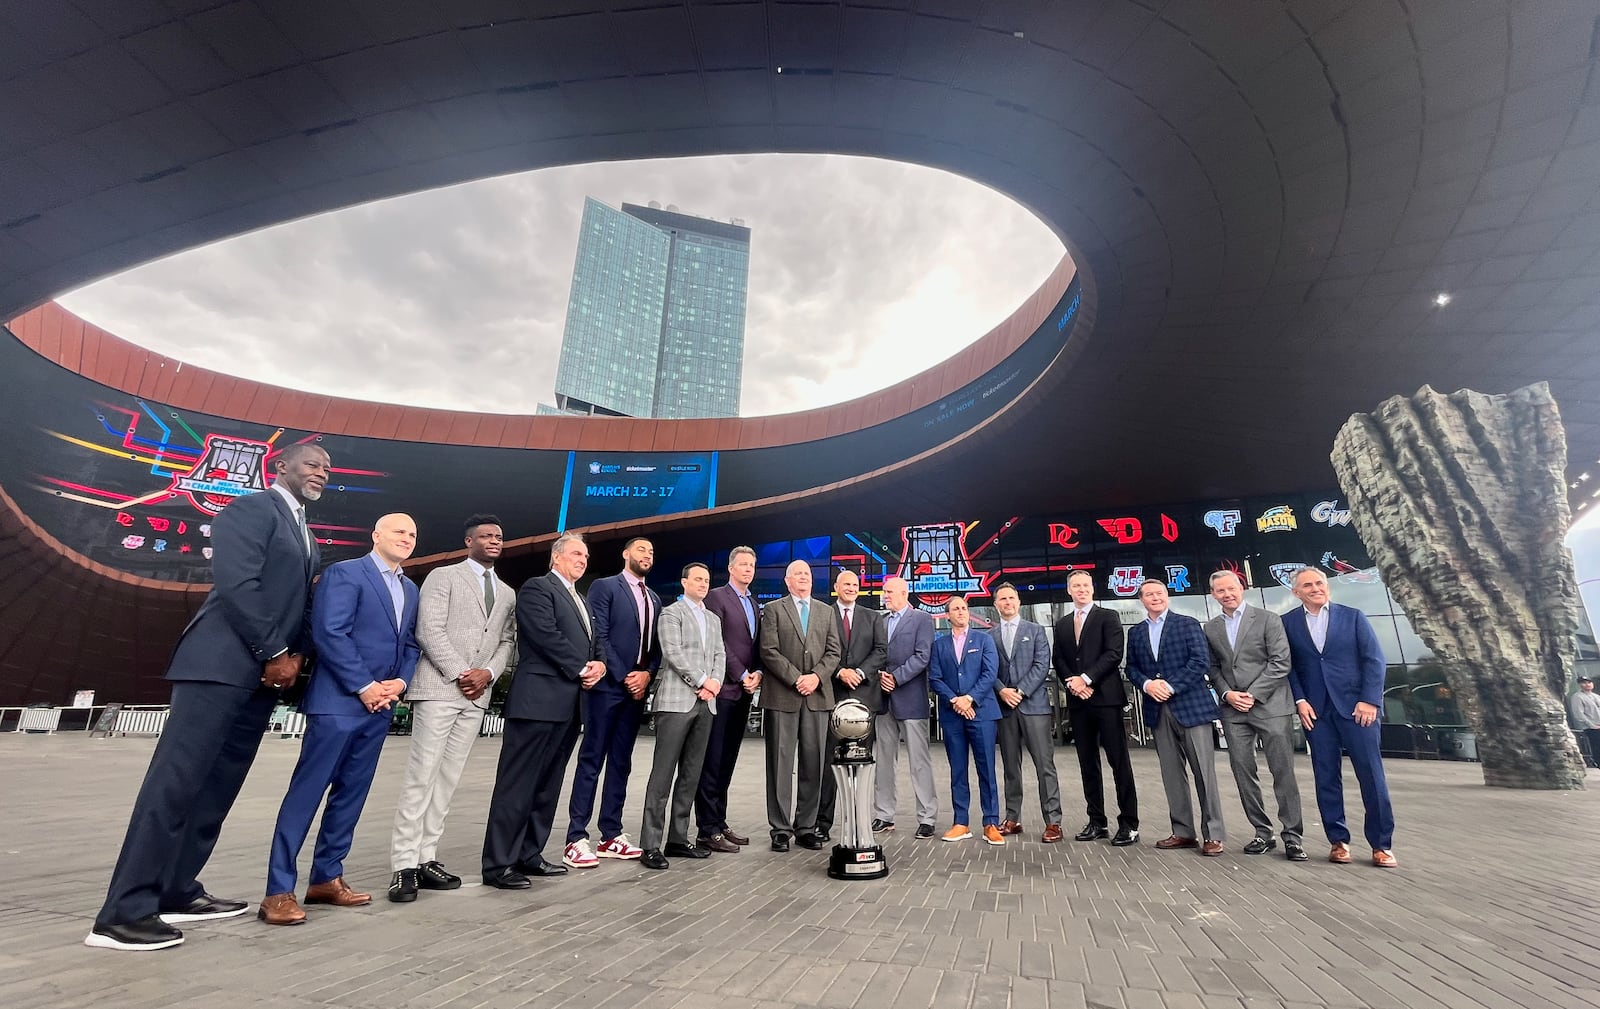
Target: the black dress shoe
(542, 868)
(1293, 852)
(149, 932)
(924, 830)
(780, 842)
(824, 834)
(403, 886)
(1090, 832)
(205, 908)
(1260, 846)
(434, 876)
(653, 859)
(507, 879)
(675, 850)
(882, 826)
(1125, 837)
(811, 841)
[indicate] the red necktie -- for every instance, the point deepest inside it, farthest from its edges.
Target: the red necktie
(847, 628)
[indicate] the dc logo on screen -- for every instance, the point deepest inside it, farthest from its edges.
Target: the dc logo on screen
(594, 467)
(1224, 521)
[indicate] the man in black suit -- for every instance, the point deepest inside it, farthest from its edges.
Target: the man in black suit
(866, 649)
(740, 614)
(559, 656)
(247, 642)
(1088, 650)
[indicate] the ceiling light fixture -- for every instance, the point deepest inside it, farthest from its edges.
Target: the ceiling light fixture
(1441, 299)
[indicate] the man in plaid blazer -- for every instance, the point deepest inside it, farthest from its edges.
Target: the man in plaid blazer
(692, 667)
(1167, 659)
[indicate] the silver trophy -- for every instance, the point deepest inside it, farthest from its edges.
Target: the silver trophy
(857, 855)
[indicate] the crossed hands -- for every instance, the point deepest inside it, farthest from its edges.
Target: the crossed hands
(1011, 696)
(807, 684)
(851, 678)
(886, 681)
(708, 690)
(752, 683)
(1239, 700)
(593, 671)
(282, 671)
(382, 695)
(636, 683)
(963, 706)
(1160, 691)
(1080, 688)
(474, 682)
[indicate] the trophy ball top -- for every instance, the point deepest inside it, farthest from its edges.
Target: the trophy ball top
(851, 720)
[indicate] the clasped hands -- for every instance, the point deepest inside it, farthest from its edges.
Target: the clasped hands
(707, 691)
(1239, 700)
(474, 682)
(963, 706)
(636, 683)
(1011, 696)
(282, 671)
(1080, 688)
(851, 678)
(593, 671)
(1160, 691)
(807, 684)
(381, 695)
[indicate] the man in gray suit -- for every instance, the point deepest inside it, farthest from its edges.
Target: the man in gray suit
(904, 682)
(799, 652)
(692, 665)
(1250, 667)
(467, 629)
(1024, 695)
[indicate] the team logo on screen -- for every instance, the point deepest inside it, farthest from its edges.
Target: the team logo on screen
(1064, 536)
(1178, 577)
(1330, 514)
(1284, 573)
(935, 564)
(1125, 580)
(228, 468)
(1277, 519)
(1224, 520)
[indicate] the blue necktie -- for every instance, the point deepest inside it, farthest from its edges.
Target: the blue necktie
(805, 616)
(749, 614)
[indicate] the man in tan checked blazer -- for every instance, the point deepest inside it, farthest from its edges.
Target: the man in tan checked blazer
(692, 667)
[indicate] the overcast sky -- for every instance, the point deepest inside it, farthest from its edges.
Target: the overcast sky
(862, 272)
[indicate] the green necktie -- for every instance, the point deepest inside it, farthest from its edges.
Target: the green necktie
(488, 592)
(805, 615)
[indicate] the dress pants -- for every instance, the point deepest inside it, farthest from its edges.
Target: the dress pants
(795, 765)
(975, 736)
(1015, 732)
(610, 727)
(200, 762)
(680, 747)
(442, 735)
(338, 755)
(1181, 749)
(919, 759)
(1331, 735)
(1277, 742)
(1099, 727)
(723, 742)
(527, 785)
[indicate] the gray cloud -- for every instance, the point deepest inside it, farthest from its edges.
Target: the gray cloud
(862, 273)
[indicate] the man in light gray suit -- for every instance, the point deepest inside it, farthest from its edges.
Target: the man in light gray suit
(1024, 696)
(800, 649)
(1250, 668)
(905, 709)
(692, 665)
(466, 626)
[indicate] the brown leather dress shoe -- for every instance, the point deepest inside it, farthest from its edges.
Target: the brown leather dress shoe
(1174, 841)
(280, 909)
(718, 842)
(1010, 828)
(1052, 834)
(736, 838)
(336, 892)
(1212, 848)
(1339, 854)
(1383, 859)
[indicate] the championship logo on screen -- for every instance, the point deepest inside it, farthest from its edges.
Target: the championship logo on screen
(1224, 520)
(1124, 581)
(228, 468)
(1330, 514)
(1277, 519)
(935, 564)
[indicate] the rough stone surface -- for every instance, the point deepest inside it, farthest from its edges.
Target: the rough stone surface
(1461, 500)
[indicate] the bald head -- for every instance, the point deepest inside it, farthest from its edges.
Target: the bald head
(394, 537)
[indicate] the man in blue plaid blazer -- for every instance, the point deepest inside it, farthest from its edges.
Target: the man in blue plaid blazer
(1167, 659)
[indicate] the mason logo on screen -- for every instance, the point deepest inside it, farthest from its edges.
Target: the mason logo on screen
(1277, 519)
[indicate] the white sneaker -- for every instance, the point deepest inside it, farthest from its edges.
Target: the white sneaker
(580, 854)
(618, 847)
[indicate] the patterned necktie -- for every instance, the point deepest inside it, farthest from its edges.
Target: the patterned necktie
(1011, 636)
(305, 533)
(488, 592)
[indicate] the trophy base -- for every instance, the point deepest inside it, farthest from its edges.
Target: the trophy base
(857, 863)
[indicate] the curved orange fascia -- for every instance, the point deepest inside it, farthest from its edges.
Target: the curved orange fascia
(59, 336)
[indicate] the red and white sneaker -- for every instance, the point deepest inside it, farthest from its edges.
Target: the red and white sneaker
(618, 847)
(580, 855)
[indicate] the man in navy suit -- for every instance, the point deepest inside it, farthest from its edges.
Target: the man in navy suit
(962, 671)
(1167, 659)
(246, 643)
(364, 622)
(740, 614)
(558, 657)
(625, 613)
(1336, 672)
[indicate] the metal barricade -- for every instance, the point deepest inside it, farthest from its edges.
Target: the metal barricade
(43, 720)
(493, 725)
(141, 721)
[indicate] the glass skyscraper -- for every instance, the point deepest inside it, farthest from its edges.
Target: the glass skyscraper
(655, 321)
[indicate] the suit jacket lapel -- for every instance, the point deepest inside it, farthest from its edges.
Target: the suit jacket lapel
(470, 581)
(571, 596)
(383, 594)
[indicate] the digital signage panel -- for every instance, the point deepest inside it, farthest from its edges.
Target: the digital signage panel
(603, 487)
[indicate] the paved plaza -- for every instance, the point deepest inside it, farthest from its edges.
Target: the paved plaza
(1496, 904)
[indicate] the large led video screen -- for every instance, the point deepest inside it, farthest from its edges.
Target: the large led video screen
(604, 487)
